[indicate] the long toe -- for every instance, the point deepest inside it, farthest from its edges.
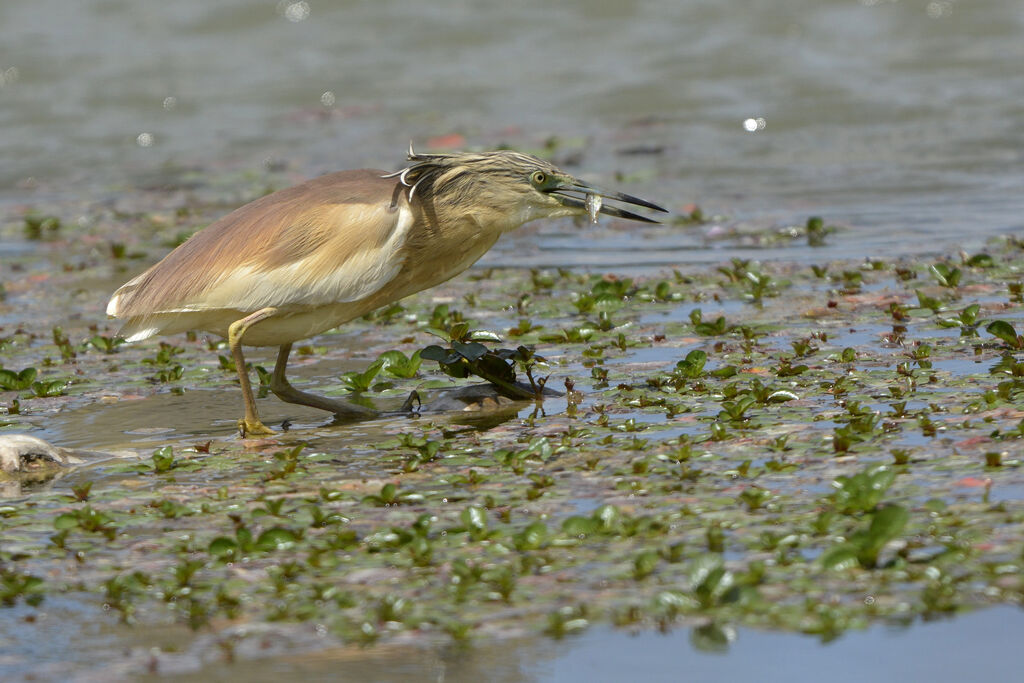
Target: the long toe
(343, 410)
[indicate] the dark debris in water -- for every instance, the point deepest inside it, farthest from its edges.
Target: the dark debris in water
(808, 449)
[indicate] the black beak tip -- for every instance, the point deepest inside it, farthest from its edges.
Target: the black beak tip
(643, 219)
(637, 201)
(628, 215)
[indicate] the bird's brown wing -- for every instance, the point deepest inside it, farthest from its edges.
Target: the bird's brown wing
(333, 239)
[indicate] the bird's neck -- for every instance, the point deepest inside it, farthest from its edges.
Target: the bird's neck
(490, 212)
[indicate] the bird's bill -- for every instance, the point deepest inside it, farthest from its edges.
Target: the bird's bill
(561, 191)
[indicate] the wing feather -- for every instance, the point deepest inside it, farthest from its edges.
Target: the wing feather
(350, 266)
(337, 238)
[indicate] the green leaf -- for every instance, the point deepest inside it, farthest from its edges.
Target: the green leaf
(471, 351)
(782, 396)
(491, 366)
(361, 381)
(609, 517)
(980, 261)
(532, 537)
(435, 353)
(970, 314)
(17, 381)
(888, 522)
(396, 364)
(483, 335)
(276, 538)
(645, 563)
(946, 275)
(244, 537)
(457, 368)
(580, 526)
(66, 520)
(711, 582)
(929, 302)
(840, 557)
(725, 372)
(475, 518)
(692, 366)
(785, 369)
(222, 546)
(862, 491)
(674, 602)
(49, 388)
(458, 331)
(1005, 331)
(390, 359)
(163, 459)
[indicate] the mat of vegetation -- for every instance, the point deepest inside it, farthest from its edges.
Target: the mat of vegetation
(810, 448)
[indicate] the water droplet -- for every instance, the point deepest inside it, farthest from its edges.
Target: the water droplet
(8, 76)
(294, 11)
(144, 140)
(753, 125)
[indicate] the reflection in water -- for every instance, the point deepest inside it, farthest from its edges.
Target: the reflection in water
(16, 487)
(150, 421)
(197, 415)
(975, 646)
(712, 637)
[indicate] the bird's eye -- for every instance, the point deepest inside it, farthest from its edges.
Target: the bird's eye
(538, 177)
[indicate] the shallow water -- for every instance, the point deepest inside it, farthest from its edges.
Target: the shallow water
(979, 645)
(894, 119)
(970, 647)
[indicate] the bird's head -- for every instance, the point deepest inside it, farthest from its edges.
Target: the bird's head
(512, 187)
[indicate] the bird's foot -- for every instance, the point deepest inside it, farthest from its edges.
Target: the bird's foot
(247, 428)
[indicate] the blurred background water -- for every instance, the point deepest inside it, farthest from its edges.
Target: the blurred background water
(900, 119)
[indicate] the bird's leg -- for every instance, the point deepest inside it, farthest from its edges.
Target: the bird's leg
(289, 394)
(250, 424)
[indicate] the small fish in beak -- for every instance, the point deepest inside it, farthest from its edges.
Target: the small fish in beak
(594, 202)
(578, 195)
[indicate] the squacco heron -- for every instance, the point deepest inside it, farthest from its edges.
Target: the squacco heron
(306, 259)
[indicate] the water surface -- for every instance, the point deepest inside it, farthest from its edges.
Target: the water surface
(899, 121)
(896, 119)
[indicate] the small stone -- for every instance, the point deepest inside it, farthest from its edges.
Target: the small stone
(19, 452)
